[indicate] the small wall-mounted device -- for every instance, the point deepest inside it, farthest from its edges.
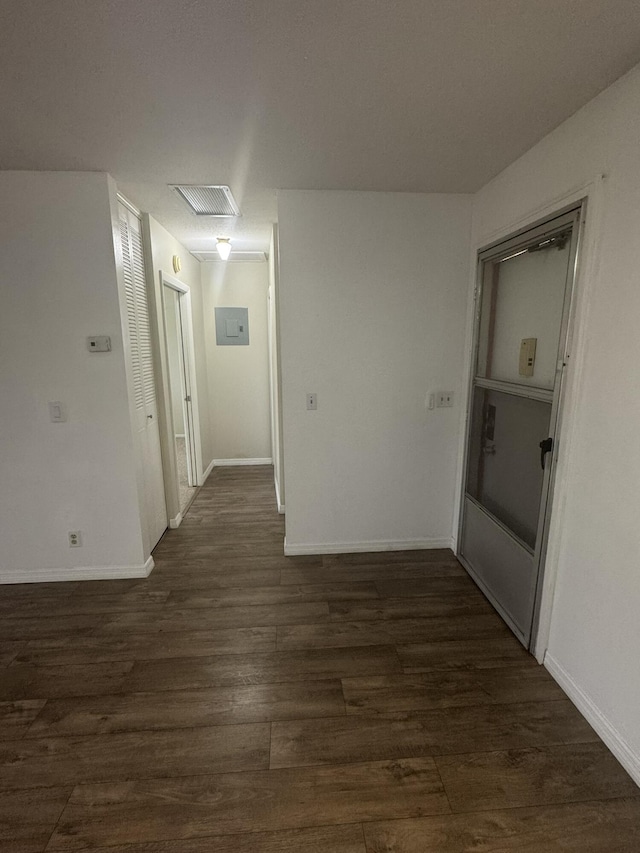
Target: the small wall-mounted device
(99, 343)
(527, 361)
(232, 327)
(177, 263)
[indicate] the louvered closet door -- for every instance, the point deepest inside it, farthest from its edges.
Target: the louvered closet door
(147, 435)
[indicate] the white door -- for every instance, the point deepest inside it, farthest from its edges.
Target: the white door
(177, 324)
(183, 317)
(146, 431)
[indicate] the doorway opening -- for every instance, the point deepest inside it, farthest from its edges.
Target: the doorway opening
(182, 421)
(523, 304)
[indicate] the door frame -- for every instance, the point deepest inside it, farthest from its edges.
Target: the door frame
(275, 378)
(192, 420)
(576, 211)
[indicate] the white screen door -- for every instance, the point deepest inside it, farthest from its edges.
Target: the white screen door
(522, 311)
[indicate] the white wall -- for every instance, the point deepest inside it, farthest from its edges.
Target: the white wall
(594, 640)
(238, 375)
(373, 291)
(58, 286)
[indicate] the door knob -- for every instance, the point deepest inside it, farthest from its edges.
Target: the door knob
(545, 447)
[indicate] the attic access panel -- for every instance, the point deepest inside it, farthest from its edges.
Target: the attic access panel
(232, 327)
(208, 200)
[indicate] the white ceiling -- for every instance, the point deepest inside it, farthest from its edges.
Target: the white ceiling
(399, 95)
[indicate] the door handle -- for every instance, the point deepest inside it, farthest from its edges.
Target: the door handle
(545, 447)
(149, 417)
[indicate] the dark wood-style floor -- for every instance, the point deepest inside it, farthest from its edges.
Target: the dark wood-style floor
(239, 701)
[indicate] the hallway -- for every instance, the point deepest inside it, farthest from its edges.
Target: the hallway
(244, 702)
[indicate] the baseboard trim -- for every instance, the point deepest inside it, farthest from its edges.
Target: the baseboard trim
(263, 460)
(78, 573)
(207, 471)
(175, 522)
(360, 547)
(603, 727)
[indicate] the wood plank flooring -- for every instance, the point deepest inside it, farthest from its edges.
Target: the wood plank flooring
(245, 702)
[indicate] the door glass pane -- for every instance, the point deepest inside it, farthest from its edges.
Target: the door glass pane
(522, 299)
(504, 473)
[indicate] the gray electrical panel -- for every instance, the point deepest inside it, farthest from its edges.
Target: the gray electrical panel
(232, 327)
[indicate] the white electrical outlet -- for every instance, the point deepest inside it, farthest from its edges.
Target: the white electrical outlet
(75, 539)
(444, 399)
(312, 402)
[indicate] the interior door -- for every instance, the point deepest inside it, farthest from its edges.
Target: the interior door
(147, 433)
(522, 310)
(187, 384)
(176, 330)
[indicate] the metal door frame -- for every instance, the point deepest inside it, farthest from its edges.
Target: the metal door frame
(573, 214)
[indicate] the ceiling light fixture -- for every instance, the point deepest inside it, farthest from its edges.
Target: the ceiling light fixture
(223, 245)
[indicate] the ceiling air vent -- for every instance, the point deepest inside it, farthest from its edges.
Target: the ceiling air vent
(208, 200)
(212, 255)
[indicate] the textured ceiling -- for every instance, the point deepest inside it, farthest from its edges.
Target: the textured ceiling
(398, 95)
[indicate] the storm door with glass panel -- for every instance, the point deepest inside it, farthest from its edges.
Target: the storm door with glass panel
(522, 310)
